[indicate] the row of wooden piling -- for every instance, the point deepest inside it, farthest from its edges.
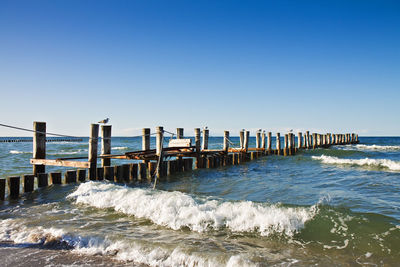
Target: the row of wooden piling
(18, 140)
(146, 170)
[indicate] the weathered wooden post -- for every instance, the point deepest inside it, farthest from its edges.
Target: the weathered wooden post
(55, 177)
(314, 135)
(308, 145)
(269, 146)
(278, 143)
(145, 141)
(304, 141)
(2, 188)
(205, 138)
(356, 138)
(300, 140)
(263, 144)
(29, 181)
(179, 135)
(43, 179)
(133, 171)
(105, 144)
(159, 148)
(118, 174)
(241, 137)
(93, 141)
(285, 147)
(70, 176)
(197, 144)
(258, 139)
(226, 139)
(142, 172)
(109, 173)
(39, 145)
(13, 187)
(81, 174)
(246, 141)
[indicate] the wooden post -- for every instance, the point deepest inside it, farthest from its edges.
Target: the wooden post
(118, 174)
(93, 141)
(70, 176)
(300, 140)
(304, 141)
(125, 172)
(285, 147)
(188, 164)
(159, 148)
(258, 139)
(263, 144)
(146, 140)
(142, 172)
(13, 187)
(235, 159)
(314, 135)
(133, 171)
(197, 144)
(55, 177)
(179, 133)
(246, 141)
(105, 144)
(99, 177)
(171, 167)
(2, 188)
(308, 145)
(241, 137)
(81, 173)
(278, 143)
(205, 138)
(357, 138)
(29, 181)
(109, 173)
(39, 145)
(269, 147)
(43, 179)
(226, 138)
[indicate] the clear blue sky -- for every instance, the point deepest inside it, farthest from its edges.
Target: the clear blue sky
(329, 66)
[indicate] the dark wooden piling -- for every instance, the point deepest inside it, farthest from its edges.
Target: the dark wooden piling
(269, 146)
(278, 143)
(100, 174)
(118, 178)
(133, 172)
(39, 146)
(13, 186)
(159, 148)
(197, 141)
(235, 159)
(171, 167)
(314, 140)
(43, 179)
(300, 140)
(263, 143)
(70, 176)
(308, 138)
(226, 139)
(146, 140)
(2, 189)
(105, 144)
(93, 141)
(152, 166)
(205, 138)
(29, 181)
(286, 145)
(55, 177)
(188, 164)
(125, 173)
(246, 140)
(81, 173)
(142, 172)
(258, 139)
(109, 173)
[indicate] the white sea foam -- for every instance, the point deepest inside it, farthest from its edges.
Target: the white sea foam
(364, 147)
(19, 152)
(16, 231)
(177, 210)
(381, 163)
(120, 148)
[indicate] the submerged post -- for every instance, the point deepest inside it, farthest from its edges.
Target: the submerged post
(105, 144)
(93, 141)
(39, 145)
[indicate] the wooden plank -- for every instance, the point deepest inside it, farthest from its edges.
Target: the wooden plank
(180, 143)
(61, 163)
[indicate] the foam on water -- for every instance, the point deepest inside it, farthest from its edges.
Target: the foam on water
(120, 148)
(381, 163)
(177, 210)
(13, 230)
(19, 152)
(371, 147)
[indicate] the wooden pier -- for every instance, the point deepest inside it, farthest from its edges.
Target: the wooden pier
(152, 164)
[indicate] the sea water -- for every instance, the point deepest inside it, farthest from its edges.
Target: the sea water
(336, 206)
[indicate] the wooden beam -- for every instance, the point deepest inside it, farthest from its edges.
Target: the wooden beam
(62, 163)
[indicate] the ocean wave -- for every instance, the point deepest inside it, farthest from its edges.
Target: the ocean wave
(177, 210)
(120, 148)
(19, 152)
(15, 231)
(380, 163)
(371, 147)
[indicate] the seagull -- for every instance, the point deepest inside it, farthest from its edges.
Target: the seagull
(105, 121)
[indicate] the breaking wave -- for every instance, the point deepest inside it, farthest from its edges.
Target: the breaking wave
(380, 163)
(371, 147)
(177, 210)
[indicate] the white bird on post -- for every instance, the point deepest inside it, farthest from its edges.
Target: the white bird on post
(105, 121)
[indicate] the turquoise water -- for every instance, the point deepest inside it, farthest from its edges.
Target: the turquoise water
(337, 206)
